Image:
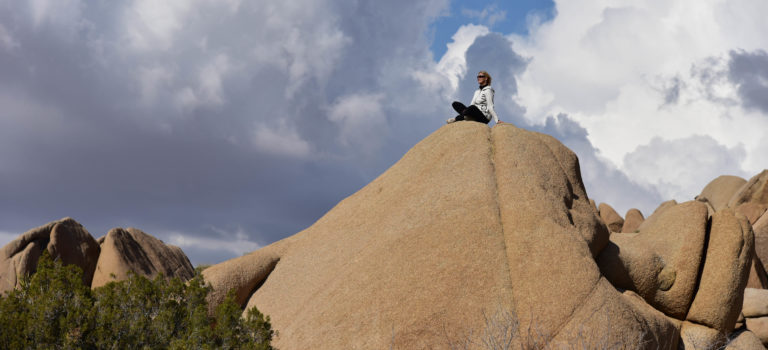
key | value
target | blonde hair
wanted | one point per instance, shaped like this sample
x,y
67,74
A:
x,y
487,76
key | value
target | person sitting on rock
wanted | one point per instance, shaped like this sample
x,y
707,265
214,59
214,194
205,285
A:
x,y
481,110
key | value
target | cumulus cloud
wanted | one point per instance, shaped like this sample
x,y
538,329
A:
x,y
361,119
680,169
209,250
260,116
185,115
489,15
640,76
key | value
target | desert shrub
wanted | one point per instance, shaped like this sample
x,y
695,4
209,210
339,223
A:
x,y
54,310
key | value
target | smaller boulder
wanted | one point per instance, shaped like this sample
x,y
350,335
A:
x,y
755,302
720,190
744,340
610,217
632,220
755,191
759,326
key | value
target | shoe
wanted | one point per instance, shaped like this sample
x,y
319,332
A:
x,y
450,120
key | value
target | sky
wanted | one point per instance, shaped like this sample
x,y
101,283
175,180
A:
x,y
224,126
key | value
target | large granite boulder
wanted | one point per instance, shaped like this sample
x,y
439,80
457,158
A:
x,y
660,262
125,250
719,298
720,190
469,222
64,239
610,217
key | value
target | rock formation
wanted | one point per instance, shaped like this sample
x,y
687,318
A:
x,y
64,239
125,250
470,221
116,254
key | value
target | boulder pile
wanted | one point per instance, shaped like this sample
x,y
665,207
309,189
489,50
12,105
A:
x,y
479,235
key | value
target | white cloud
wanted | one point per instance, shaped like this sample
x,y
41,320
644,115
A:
x,y
152,25
361,119
7,42
453,64
153,81
66,14
681,168
633,73
235,243
280,141
489,15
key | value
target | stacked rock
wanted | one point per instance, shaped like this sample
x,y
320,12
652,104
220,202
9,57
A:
x,y
755,312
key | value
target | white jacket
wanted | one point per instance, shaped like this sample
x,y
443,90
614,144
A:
x,y
483,99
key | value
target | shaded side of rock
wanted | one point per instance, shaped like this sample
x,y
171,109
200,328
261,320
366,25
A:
x,y
758,278
131,249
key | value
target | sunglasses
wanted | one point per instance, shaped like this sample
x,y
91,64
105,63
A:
x,y
480,76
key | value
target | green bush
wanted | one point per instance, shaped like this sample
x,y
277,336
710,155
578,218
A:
x,y
54,310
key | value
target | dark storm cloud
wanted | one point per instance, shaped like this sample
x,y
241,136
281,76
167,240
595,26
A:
x,y
119,121
749,71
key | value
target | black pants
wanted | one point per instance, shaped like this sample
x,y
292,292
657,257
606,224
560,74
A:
x,y
469,113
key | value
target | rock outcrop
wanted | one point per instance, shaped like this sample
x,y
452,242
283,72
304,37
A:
x,y
64,239
125,250
470,221
115,254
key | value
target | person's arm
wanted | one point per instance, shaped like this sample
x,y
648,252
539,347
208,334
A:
x,y
489,102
